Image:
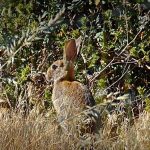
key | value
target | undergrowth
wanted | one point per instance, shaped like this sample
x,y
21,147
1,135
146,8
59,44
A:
x,y
39,133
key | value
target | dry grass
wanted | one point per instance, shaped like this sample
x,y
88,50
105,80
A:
x,y
40,133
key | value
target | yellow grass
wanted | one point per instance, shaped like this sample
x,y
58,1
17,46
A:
x,y
43,133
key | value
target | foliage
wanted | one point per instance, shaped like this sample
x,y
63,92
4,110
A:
x,y
114,58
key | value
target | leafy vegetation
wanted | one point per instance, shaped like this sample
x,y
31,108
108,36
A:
x,y
114,57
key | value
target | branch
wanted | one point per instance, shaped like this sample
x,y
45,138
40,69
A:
x,y
110,63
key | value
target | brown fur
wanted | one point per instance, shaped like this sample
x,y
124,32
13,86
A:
x,y
69,97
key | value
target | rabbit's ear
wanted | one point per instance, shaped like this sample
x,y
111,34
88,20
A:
x,y
70,50
78,44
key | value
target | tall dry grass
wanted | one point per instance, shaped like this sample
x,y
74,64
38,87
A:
x,y
40,133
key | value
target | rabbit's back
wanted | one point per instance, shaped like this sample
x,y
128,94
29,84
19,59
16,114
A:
x,y
70,98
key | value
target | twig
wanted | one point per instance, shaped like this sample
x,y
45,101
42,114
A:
x,y
92,80
110,63
118,79
57,17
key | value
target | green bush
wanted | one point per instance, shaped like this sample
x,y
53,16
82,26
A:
x,y
115,41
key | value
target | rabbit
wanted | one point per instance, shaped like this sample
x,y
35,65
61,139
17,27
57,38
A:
x,y
69,97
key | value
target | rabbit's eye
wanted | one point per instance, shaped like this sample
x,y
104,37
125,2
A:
x,y
54,67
